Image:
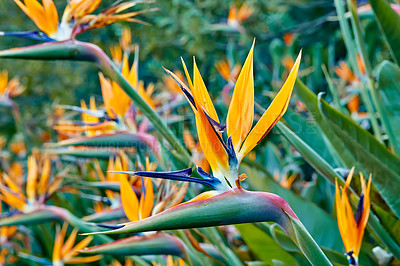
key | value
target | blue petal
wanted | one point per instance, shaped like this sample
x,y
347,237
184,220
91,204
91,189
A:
x,y
110,226
33,35
217,126
360,208
182,175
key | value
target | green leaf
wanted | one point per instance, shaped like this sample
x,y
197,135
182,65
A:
x,y
286,243
257,240
52,213
99,153
311,101
309,132
367,152
388,77
106,216
309,154
118,139
308,245
310,214
390,223
389,22
106,185
235,206
356,146
156,244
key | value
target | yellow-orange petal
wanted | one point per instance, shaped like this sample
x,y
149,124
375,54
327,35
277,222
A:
x,y
130,202
11,185
224,69
272,115
348,180
58,243
84,260
84,243
31,180
146,198
45,17
241,109
201,94
44,177
107,93
244,12
187,75
69,244
12,199
341,217
210,143
51,16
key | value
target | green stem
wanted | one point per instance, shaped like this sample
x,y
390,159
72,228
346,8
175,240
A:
x,y
334,92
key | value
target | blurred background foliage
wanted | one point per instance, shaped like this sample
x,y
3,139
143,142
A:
x,y
183,28
178,28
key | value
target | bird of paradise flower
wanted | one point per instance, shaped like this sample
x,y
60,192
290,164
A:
x,y
76,19
351,226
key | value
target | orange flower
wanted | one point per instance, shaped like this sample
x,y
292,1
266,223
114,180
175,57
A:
x,y
224,157
352,227
128,262
288,38
288,62
360,63
18,147
354,103
91,124
66,252
38,186
134,208
6,232
10,88
227,72
236,16
77,16
344,72
116,101
124,46
285,181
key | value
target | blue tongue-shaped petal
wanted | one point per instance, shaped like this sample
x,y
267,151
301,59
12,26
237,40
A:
x,y
217,126
359,211
33,35
181,175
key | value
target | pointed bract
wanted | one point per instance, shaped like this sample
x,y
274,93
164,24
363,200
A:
x,y
272,115
241,109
